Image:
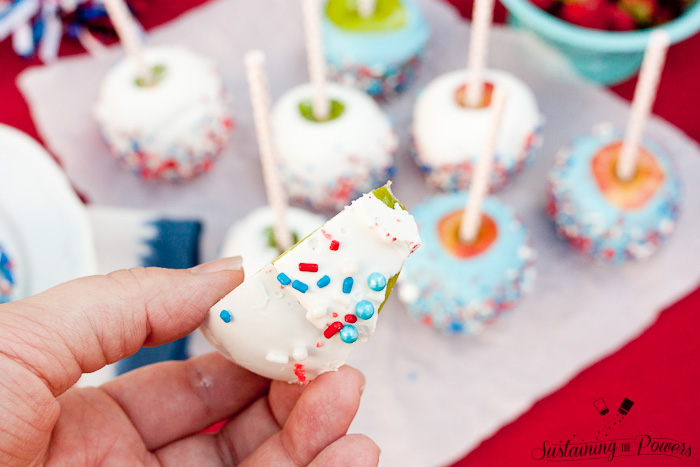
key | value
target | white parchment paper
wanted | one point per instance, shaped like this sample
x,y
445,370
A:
x,y
429,399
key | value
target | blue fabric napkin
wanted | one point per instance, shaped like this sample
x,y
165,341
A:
x,y
175,246
127,238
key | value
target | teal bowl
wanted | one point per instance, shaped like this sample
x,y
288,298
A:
x,y
606,57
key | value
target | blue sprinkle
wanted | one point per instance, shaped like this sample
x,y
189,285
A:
x,y
283,279
347,285
225,316
376,282
349,334
324,281
300,286
364,309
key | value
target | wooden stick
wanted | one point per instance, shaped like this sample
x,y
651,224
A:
x,y
479,189
478,45
366,8
321,105
644,96
260,98
128,36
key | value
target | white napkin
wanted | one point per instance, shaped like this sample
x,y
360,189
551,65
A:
x,y
429,399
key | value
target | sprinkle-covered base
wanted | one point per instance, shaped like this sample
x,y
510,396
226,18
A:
x,y
325,165
617,223
7,281
448,137
378,82
178,163
379,55
300,315
459,291
457,177
173,129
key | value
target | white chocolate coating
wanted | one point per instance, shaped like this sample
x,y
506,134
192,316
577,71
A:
x,y
172,129
277,331
325,165
249,238
447,134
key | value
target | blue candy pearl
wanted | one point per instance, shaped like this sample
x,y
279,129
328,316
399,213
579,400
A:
x,y
364,309
348,334
376,281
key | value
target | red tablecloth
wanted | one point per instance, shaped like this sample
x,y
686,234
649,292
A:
x,y
659,371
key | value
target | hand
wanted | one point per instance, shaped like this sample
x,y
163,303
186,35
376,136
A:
x,y
152,416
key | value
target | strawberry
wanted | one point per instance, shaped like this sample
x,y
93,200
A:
x,y
664,15
642,11
619,19
586,13
545,5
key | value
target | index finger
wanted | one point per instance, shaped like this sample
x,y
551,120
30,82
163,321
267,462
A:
x,y
83,325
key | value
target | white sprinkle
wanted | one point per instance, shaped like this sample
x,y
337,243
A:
x,y
300,353
640,251
317,311
525,252
666,226
277,358
595,223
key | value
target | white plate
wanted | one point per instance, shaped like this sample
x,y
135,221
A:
x,y
43,225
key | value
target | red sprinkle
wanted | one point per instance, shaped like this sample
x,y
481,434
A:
x,y
319,345
300,373
334,245
350,318
332,329
335,315
308,267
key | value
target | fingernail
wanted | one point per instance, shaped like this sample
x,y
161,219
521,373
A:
x,y
364,383
233,263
